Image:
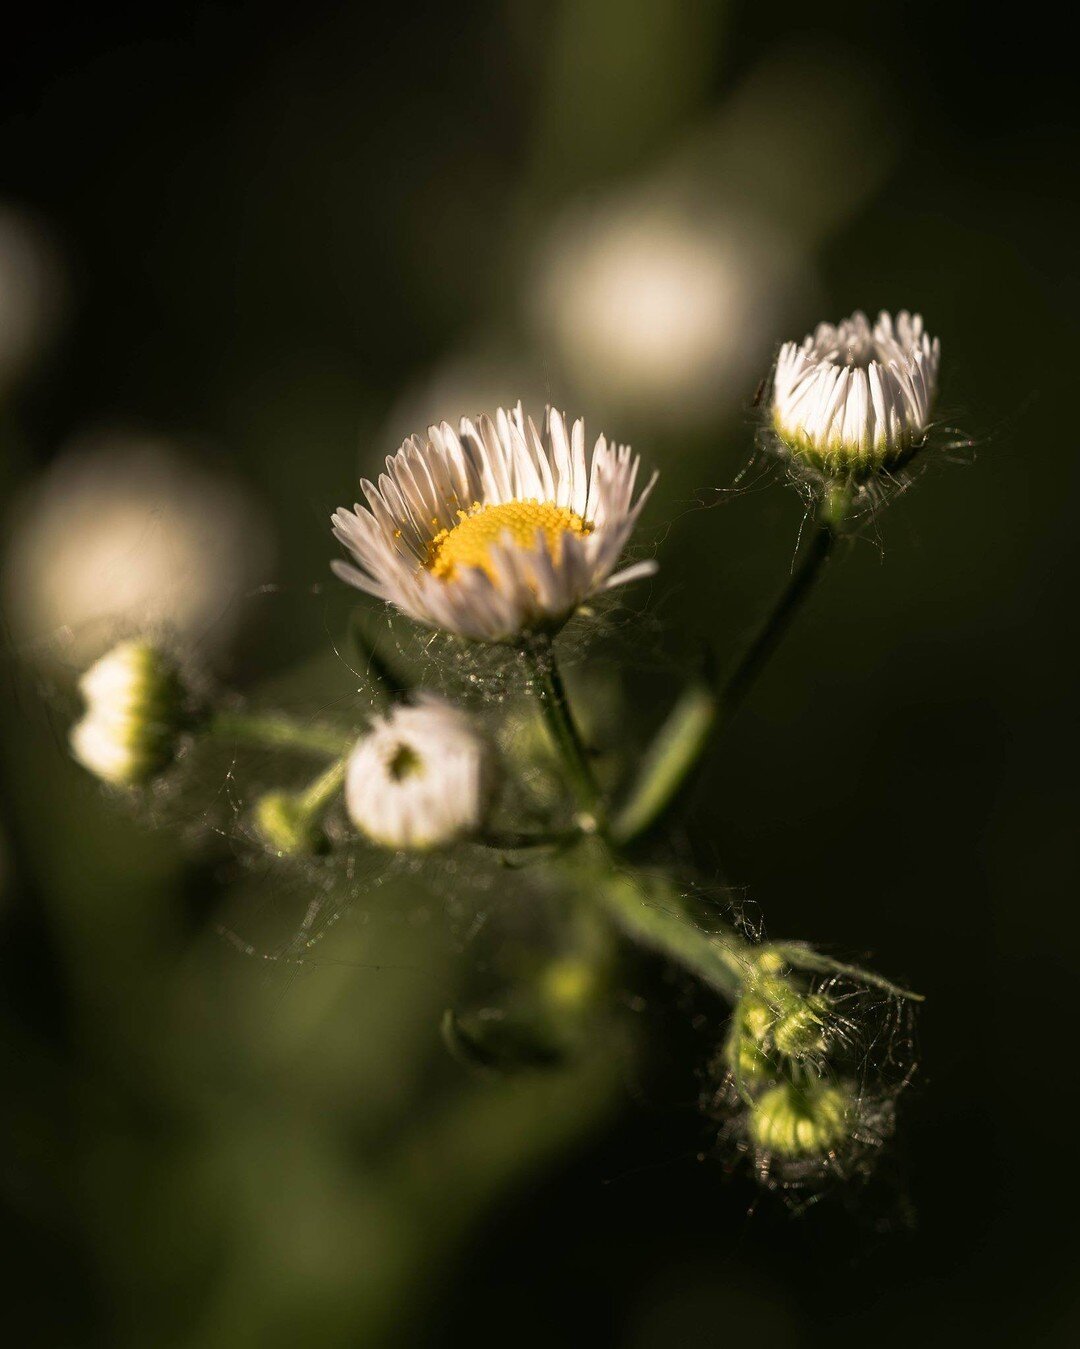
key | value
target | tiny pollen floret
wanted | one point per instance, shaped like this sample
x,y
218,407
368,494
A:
x,y
135,714
424,775
851,398
495,530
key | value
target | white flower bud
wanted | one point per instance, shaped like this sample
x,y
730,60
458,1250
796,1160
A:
x,y
135,713
423,776
852,399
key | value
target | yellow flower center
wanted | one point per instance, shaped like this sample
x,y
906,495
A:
x,y
469,542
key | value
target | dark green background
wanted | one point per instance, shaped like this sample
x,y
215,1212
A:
x,y
276,220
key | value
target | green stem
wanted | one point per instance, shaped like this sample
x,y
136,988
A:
x,y
804,957
555,707
647,907
316,797
668,762
275,730
702,713
776,627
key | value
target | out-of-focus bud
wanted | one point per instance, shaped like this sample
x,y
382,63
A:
x,y
801,1121
423,776
287,826
570,983
137,708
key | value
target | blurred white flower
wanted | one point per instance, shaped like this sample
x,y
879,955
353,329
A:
x,y
31,291
136,709
124,532
657,305
497,532
423,776
851,396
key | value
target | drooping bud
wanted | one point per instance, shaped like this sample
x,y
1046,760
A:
x,y
137,707
801,1121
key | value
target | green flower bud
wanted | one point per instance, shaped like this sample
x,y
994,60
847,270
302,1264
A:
x,y
285,825
775,1015
745,1059
570,983
796,1121
801,1031
136,711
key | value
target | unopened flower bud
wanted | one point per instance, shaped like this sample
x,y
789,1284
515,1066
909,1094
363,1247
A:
x,y
794,1121
286,826
423,776
136,711
852,399
570,982
802,1030
774,1014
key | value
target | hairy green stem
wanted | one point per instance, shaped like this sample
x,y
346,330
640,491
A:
x,y
648,907
314,799
703,712
668,762
777,625
276,730
555,708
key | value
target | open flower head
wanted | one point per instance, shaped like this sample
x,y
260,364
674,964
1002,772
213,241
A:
x,y
494,530
851,399
423,776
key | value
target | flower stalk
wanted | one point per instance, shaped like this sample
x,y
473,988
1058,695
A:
x,y
277,730
539,656
649,908
702,712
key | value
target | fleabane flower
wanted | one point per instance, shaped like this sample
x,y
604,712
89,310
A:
x,y
423,776
136,711
851,398
495,530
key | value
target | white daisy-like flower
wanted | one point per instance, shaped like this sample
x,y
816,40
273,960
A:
x,y
495,530
851,397
135,713
423,776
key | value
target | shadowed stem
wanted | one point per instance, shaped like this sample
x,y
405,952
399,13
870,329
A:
x,y
314,799
539,655
702,712
648,907
276,730
776,627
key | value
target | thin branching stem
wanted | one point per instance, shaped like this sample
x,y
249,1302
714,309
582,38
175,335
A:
x,y
539,655
277,730
704,711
